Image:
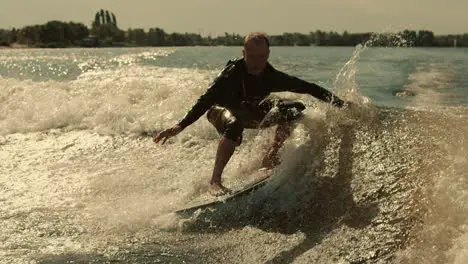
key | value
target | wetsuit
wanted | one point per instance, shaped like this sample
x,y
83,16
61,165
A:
x,y
236,100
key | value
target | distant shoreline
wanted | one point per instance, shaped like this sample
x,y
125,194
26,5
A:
x,y
21,46
105,33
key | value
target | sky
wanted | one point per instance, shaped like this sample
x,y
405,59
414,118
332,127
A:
x,y
214,17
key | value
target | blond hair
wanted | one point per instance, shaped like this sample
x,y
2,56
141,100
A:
x,y
257,38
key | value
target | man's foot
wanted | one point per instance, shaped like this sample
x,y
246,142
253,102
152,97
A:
x,y
217,189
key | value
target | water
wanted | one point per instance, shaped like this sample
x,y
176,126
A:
x,y
382,182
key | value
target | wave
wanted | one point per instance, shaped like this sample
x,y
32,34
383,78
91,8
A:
x,y
386,188
130,99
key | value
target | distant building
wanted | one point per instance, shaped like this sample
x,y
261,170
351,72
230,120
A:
x,y
90,41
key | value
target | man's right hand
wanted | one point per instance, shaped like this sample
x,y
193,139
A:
x,y
166,134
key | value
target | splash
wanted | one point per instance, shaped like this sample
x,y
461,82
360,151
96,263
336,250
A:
x,y
345,81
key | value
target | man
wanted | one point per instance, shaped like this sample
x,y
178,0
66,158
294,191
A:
x,y
238,99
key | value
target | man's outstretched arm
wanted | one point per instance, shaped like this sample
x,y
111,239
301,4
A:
x,y
198,109
209,98
283,82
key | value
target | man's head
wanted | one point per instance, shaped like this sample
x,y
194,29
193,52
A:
x,y
256,52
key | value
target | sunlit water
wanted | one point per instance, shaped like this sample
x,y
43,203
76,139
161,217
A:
x,y
81,180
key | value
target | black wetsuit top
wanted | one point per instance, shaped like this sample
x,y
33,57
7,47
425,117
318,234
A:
x,y
237,90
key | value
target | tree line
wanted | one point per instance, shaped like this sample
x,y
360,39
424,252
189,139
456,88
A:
x,y
104,32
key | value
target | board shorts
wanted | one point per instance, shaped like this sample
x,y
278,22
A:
x,y
231,124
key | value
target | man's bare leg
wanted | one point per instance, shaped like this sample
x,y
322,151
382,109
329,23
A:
x,y
225,150
271,159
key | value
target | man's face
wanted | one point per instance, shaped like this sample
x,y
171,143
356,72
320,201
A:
x,y
256,56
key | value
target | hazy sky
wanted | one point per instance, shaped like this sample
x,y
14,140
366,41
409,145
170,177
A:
x,y
241,16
